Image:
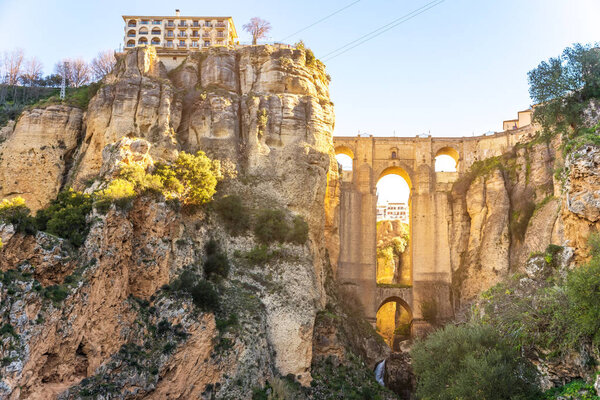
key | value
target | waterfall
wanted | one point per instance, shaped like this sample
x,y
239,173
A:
x,y
379,371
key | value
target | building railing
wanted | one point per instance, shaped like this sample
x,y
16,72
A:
x,y
220,25
156,22
131,35
182,46
131,25
182,24
182,35
144,22
169,25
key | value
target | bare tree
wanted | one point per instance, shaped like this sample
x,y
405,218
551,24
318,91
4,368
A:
x,y
103,64
77,71
13,65
258,28
32,71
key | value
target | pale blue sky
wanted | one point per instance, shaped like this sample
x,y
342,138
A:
x,y
458,69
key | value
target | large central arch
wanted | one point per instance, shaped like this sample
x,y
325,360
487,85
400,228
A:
x,y
394,321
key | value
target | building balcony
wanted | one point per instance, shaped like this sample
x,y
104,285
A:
x,y
195,35
144,22
169,25
220,35
182,46
182,25
220,26
156,22
195,26
206,35
182,35
169,36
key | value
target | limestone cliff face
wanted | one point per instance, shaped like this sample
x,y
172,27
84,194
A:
x,y
36,155
581,202
501,216
262,111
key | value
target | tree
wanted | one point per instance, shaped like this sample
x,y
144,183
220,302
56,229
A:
x,y
13,66
471,362
32,72
258,28
77,71
562,86
103,64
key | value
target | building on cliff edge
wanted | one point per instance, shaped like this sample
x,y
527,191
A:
x,y
393,211
178,34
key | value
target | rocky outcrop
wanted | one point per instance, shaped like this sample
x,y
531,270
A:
x,y
501,216
35,157
581,205
398,376
136,100
265,114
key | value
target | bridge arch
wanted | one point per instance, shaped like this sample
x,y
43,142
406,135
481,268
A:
x,y
404,172
394,321
442,159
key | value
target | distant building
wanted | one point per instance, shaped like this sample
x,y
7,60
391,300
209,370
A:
x,y
524,119
393,211
178,33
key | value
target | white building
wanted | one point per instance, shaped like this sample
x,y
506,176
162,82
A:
x,y
393,211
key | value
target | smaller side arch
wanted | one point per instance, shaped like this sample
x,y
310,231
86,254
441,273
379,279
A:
x,y
398,300
447,152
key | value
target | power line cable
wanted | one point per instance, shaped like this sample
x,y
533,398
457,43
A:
x,y
381,30
321,20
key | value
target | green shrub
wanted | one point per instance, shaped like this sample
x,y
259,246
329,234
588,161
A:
x,y
191,178
202,292
583,295
205,296
8,329
576,390
66,216
429,310
471,362
271,226
56,293
260,254
233,213
15,212
119,191
216,262
299,232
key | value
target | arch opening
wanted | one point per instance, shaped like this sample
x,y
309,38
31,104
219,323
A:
x,y
131,43
155,41
345,158
446,160
143,41
393,229
394,321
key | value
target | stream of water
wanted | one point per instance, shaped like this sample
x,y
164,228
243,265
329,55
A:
x,y
379,371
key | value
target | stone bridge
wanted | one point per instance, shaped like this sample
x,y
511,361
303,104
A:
x,y
429,248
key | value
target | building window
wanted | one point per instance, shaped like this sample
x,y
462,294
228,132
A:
x,y
132,23
156,31
206,43
155,41
169,43
143,41
156,22
131,43
144,22
143,31
393,154
207,24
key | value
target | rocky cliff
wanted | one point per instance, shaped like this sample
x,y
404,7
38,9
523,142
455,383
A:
x,y
101,319
504,209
